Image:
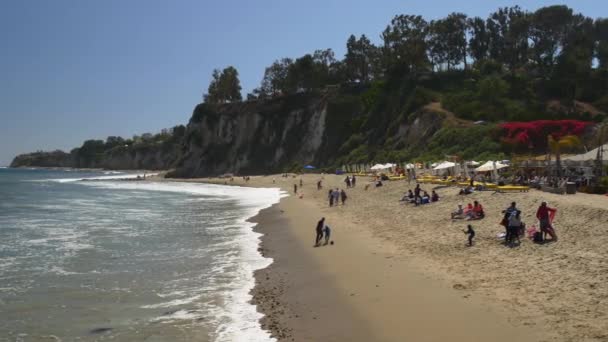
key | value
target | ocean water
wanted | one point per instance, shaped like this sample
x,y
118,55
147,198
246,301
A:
x,y
111,259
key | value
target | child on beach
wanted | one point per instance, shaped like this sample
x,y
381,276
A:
x,y
471,234
327,232
319,230
458,213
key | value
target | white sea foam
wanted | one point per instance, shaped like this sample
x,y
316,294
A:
x,y
237,319
179,315
101,178
172,303
61,271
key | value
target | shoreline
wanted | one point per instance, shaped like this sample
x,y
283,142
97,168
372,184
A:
x,y
305,299
417,272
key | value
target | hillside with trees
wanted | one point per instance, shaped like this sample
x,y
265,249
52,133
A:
x,y
514,65
451,86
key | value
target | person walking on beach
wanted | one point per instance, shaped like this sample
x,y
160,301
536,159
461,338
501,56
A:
x,y
330,196
301,182
471,234
327,232
320,226
347,181
319,186
353,181
295,188
343,196
336,194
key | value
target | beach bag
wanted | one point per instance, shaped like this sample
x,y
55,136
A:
x,y
505,220
538,237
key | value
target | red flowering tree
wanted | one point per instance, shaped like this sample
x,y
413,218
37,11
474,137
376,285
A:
x,y
533,134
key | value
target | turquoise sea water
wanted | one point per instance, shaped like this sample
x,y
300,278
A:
x,y
112,259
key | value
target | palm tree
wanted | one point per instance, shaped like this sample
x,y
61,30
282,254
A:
x,y
557,145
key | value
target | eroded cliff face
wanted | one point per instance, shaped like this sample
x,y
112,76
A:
x,y
126,159
44,159
253,137
257,137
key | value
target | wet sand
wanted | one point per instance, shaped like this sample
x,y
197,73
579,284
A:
x,y
399,272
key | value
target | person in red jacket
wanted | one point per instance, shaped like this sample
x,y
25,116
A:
x,y
545,216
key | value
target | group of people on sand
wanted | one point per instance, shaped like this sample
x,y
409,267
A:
x,y
350,181
512,221
416,198
471,212
335,196
322,230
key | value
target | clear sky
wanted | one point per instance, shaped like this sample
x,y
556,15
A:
x,y
72,70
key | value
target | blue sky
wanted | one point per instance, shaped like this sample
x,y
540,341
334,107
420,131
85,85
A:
x,y
72,70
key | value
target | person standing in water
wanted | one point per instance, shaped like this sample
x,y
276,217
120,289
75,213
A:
x,y
320,226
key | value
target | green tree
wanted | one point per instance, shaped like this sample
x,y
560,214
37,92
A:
x,y
359,58
601,49
274,81
405,43
480,39
224,86
548,32
508,36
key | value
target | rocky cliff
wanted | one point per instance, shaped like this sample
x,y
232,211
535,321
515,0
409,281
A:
x,y
324,129
44,159
122,158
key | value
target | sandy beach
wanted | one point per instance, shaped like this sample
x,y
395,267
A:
x,y
399,272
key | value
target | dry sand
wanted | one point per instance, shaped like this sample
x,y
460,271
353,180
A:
x,y
404,273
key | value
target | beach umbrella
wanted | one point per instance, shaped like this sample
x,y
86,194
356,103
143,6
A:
x,y
473,163
410,166
378,167
309,167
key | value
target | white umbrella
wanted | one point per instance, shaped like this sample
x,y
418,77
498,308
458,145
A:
x,y
389,165
490,166
472,163
444,165
410,166
378,167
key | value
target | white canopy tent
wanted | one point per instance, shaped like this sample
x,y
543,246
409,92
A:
x,y
591,155
444,165
491,166
382,166
410,166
